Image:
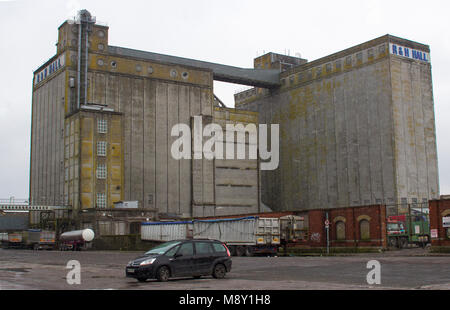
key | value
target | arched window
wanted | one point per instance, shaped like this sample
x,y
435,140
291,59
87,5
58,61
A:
x,y
340,230
364,230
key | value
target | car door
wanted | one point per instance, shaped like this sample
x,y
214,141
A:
x,y
181,263
204,258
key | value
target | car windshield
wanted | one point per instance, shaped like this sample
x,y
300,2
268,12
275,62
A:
x,y
162,248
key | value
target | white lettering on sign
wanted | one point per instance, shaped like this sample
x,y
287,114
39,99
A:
x,y
54,66
410,53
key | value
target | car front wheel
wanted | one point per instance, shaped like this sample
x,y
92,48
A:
x,y
163,274
219,271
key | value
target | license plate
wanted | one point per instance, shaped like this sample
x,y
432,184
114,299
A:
x,y
130,270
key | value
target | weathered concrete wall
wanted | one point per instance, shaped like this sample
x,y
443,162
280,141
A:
x,y
236,182
414,130
151,108
342,121
335,146
47,141
149,95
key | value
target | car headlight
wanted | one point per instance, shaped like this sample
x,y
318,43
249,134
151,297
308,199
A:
x,y
147,262
130,263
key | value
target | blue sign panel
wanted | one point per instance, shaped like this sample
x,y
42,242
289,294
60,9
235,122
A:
x,y
410,53
49,70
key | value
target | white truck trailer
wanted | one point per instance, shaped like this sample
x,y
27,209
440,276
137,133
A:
x,y
243,236
166,231
32,238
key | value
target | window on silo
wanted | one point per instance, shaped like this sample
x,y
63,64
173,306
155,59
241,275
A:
x,y
101,171
102,126
359,57
348,61
340,230
318,71
101,200
364,230
101,148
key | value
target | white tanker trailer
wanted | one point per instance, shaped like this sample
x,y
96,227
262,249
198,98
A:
x,y
76,240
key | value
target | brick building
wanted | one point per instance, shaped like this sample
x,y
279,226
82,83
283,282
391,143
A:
x,y
440,222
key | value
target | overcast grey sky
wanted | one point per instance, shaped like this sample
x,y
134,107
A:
x,y
229,32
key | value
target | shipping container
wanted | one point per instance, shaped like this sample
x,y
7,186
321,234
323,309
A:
x,y
166,231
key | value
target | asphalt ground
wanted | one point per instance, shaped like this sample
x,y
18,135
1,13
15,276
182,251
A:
x,y
105,270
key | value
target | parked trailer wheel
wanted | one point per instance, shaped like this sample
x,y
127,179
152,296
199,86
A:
x,y
249,251
232,249
393,242
240,251
403,243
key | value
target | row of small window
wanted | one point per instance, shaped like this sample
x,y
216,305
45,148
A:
x,y
99,33
337,63
102,127
101,149
150,70
364,230
74,43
